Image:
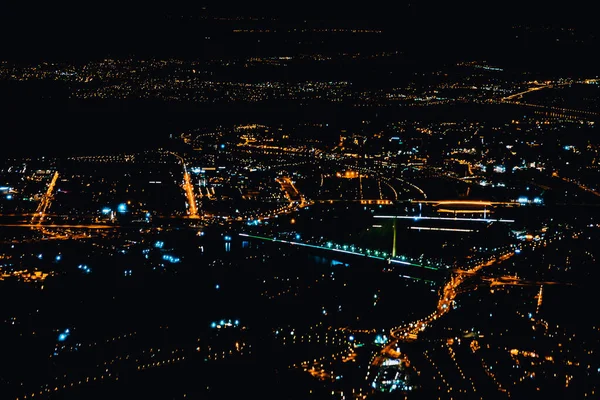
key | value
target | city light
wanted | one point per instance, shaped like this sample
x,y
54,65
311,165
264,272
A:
x,y
64,335
84,268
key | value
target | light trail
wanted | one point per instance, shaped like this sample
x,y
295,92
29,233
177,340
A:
x,y
417,218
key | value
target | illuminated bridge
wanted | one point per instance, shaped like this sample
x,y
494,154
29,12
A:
x,y
357,251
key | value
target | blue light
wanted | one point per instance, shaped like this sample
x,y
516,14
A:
x,y
58,257
228,238
217,287
537,200
171,259
297,236
222,146
9,197
351,338
85,268
222,322
522,199
122,208
62,337
159,245
106,211
236,322
40,256
213,325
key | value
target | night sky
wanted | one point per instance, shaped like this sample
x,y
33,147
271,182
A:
x,y
52,30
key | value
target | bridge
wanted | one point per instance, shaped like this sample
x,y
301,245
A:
x,y
358,251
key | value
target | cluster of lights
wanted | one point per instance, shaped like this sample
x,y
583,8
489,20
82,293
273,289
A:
x,y
84,268
171,259
225,324
379,339
525,200
64,335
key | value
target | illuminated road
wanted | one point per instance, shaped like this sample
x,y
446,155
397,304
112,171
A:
x,y
387,181
188,187
292,194
514,281
295,198
579,185
530,90
417,218
467,202
45,201
62,226
548,85
445,303
363,201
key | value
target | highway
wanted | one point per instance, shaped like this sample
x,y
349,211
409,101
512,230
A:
x,y
92,226
188,187
42,208
530,90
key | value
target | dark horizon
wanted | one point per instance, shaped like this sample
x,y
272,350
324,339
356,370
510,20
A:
x,y
74,34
